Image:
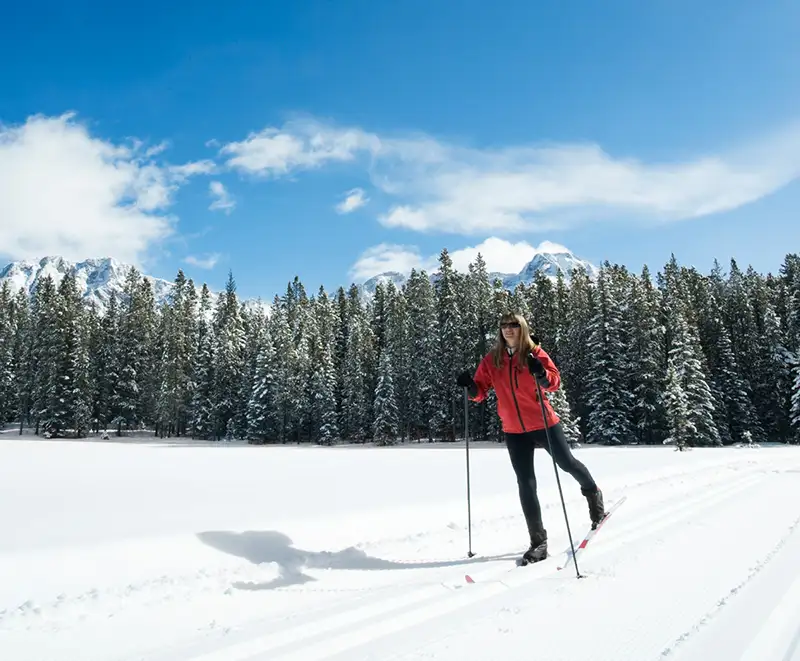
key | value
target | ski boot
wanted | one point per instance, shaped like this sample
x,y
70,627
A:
x,y
537,550
597,510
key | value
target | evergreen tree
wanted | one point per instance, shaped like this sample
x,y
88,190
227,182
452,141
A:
x,y
688,400
608,399
423,337
262,425
385,426
575,365
450,342
398,348
8,321
324,392
646,348
229,343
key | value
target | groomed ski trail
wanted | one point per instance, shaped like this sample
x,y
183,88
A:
x,y
380,626
673,533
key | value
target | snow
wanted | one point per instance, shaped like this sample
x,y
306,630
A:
x,y
96,278
179,551
549,264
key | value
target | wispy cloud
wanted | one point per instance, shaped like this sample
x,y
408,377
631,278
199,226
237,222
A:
x,y
207,262
459,189
500,256
66,192
300,145
183,172
354,199
222,199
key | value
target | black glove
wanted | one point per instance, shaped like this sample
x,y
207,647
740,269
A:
x,y
465,380
536,368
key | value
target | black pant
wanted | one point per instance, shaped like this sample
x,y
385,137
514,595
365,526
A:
x,y
520,450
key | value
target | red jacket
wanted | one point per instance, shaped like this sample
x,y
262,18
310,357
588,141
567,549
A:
x,y
517,396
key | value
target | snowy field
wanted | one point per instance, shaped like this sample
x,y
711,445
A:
x,y
167,552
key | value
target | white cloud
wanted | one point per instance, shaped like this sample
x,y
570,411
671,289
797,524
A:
x,y
65,192
387,257
501,256
183,172
355,199
299,145
467,190
222,199
207,262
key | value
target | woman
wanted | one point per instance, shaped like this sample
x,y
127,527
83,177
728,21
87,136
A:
x,y
510,368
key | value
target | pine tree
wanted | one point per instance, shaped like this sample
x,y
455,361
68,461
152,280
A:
x,y
482,325
423,339
385,427
262,425
8,321
575,359
201,412
646,349
450,341
688,393
325,402
229,343
609,401
355,383
44,355
681,429
398,347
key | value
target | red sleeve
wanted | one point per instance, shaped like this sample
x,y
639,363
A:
x,y
483,379
553,375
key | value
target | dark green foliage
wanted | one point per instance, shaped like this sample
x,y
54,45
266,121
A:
x,y
684,358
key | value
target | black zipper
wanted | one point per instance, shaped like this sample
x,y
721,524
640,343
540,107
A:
x,y
513,391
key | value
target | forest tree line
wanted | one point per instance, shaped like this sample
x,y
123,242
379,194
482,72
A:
x,y
683,357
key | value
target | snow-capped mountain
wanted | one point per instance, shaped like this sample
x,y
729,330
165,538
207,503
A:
x,y
547,263
96,278
369,286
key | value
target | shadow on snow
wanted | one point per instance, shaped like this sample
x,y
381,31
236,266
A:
x,y
272,546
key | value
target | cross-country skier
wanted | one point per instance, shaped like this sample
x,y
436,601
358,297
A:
x,y
510,368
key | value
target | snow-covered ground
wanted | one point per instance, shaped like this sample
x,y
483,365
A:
x,y
168,552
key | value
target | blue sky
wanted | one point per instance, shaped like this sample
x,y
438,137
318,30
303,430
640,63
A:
x,y
622,130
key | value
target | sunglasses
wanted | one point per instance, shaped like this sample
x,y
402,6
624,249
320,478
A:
x,y
509,324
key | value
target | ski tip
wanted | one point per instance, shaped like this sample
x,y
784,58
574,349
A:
x,y
468,578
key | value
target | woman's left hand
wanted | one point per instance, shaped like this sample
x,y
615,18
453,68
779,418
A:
x,y
535,367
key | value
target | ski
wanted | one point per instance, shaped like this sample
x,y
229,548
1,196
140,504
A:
x,y
592,532
519,563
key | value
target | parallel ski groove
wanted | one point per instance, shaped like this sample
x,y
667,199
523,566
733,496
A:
x,y
335,636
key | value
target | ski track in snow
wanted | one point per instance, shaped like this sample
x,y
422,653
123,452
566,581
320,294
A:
x,y
698,560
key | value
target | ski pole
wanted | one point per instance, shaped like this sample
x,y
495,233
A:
x,y
558,479
469,499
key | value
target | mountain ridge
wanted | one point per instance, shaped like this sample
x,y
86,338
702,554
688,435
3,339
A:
x,y
547,263
98,277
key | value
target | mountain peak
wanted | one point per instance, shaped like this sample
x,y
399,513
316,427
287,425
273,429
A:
x,y
550,264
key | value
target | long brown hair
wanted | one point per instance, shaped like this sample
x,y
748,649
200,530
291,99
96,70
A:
x,y
526,342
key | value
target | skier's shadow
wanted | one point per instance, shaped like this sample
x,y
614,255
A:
x,y
272,546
